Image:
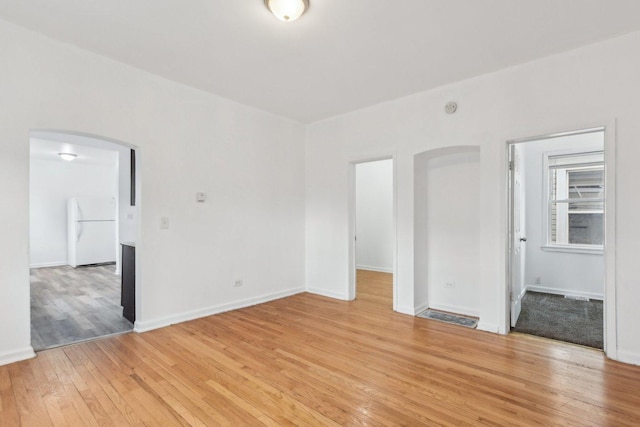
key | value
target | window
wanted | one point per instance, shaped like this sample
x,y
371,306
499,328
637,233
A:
x,y
575,216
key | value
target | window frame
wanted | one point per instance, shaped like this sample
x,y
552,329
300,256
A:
x,y
549,245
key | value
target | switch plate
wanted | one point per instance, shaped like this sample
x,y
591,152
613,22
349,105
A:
x,y
164,223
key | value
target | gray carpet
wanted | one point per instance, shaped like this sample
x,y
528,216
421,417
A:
x,y
560,318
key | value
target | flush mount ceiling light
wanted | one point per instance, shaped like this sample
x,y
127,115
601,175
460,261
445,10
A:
x,y
67,156
287,10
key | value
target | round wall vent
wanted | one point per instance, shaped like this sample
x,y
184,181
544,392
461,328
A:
x,y
451,107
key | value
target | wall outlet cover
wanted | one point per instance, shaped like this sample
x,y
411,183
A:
x,y
164,223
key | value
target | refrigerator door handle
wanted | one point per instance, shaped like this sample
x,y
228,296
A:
x,y
79,230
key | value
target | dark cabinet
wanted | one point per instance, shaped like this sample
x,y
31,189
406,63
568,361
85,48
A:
x,y
128,294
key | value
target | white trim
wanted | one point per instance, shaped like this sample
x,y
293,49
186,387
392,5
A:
x,y
610,304
523,292
455,309
16,355
49,264
488,327
144,326
402,309
565,292
576,249
546,184
351,239
419,309
329,294
628,357
371,268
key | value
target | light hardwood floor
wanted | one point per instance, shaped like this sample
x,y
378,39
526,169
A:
x,y
309,360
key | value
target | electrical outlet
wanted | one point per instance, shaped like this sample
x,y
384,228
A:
x,y
164,222
237,283
538,280
450,285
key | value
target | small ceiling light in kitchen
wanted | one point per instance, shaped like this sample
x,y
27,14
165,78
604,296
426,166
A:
x,y
287,10
67,156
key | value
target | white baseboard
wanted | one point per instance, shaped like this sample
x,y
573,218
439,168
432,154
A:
x,y
328,294
628,357
16,356
523,292
406,310
557,291
372,268
49,264
455,309
148,325
488,327
419,309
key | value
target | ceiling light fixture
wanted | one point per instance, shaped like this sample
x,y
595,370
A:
x,y
67,156
287,10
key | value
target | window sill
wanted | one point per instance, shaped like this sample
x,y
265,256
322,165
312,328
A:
x,y
576,249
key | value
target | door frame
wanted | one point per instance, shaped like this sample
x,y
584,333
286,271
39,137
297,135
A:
x,y
137,174
351,292
511,220
609,247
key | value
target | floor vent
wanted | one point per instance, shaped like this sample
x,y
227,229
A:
x,y
454,319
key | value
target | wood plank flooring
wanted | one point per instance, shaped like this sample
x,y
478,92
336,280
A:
x,y
310,360
74,304
375,288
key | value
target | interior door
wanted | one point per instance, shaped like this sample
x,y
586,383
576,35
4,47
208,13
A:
x,y
517,233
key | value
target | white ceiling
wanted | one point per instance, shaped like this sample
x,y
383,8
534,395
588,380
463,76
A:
x,y
341,56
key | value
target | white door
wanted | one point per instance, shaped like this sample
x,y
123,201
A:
x,y
517,234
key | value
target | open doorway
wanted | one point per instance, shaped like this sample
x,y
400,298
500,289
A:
x,y
374,232
557,220
80,212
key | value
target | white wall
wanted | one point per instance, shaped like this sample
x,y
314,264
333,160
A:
x,y
582,88
447,229
250,163
127,230
560,272
52,183
374,216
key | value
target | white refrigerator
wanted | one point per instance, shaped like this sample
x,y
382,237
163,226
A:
x,y
91,229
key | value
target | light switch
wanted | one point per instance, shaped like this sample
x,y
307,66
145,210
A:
x,y
201,197
164,222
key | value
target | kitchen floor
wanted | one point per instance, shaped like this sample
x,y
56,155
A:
x,y
74,304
